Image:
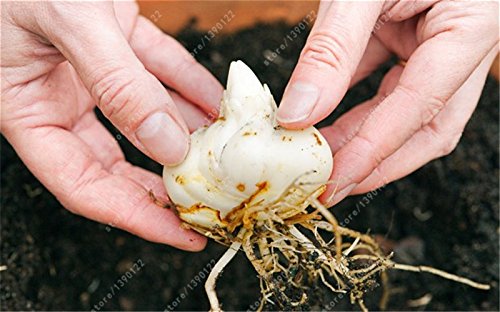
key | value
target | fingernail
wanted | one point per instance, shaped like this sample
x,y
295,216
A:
x,y
163,138
342,193
298,102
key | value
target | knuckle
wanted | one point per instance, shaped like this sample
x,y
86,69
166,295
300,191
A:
x,y
429,106
361,155
156,38
445,141
376,179
449,143
185,64
432,106
369,149
68,12
115,91
326,49
467,19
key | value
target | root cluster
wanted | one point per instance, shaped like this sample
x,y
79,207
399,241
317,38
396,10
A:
x,y
296,243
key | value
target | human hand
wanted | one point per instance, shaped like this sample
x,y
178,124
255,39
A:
x,y
59,60
421,108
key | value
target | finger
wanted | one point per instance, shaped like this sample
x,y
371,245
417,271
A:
x,y
168,60
375,55
328,61
421,93
106,149
402,10
107,152
69,169
125,12
435,140
133,99
347,125
194,117
345,129
399,38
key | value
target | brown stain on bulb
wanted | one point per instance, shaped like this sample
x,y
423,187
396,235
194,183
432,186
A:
x,y
318,140
240,187
285,138
232,220
248,133
235,217
242,215
186,213
180,180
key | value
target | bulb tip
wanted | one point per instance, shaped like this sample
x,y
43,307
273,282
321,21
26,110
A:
x,y
242,81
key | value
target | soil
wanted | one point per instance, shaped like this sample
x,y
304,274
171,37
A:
x,y
444,215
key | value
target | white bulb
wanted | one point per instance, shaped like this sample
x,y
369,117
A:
x,y
242,151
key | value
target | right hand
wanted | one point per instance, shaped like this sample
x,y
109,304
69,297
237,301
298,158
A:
x,y
420,110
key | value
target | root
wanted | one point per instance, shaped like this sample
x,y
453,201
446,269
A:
x,y
293,248
333,222
217,270
386,293
307,243
362,305
443,274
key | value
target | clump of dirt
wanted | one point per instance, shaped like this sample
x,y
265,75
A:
x,y
444,215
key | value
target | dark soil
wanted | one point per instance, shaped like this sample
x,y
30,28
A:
x,y
444,215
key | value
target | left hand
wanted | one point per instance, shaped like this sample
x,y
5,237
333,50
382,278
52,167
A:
x,y
63,58
420,110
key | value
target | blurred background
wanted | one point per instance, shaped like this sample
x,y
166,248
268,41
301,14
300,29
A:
x,y
444,215
208,13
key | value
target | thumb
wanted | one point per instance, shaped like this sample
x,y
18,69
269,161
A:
x,y
328,61
89,36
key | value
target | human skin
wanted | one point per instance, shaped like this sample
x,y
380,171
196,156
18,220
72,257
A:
x,y
62,59
59,61
421,108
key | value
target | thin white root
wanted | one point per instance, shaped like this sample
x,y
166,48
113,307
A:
x,y
330,218
306,242
362,305
351,248
216,271
420,302
443,274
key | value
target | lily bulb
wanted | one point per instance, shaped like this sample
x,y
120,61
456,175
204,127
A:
x,y
244,158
